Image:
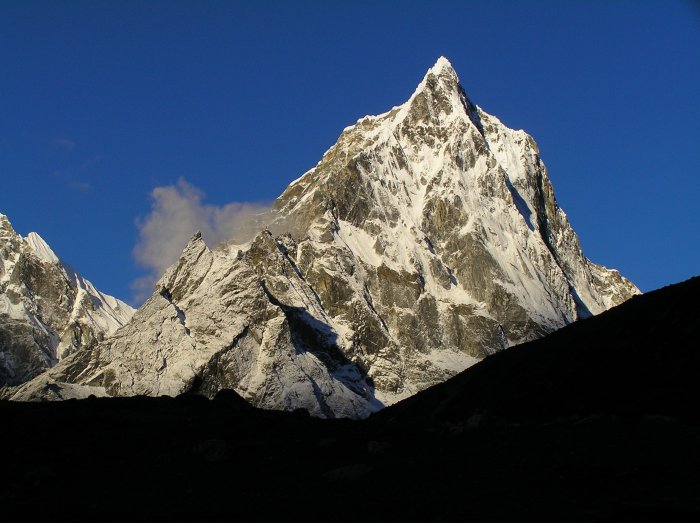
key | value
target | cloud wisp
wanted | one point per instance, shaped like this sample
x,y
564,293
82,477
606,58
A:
x,y
66,176
62,144
177,212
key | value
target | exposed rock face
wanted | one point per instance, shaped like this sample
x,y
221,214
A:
x,y
425,239
47,310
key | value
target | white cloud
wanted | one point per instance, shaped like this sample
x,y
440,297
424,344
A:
x,y
66,176
177,212
63,144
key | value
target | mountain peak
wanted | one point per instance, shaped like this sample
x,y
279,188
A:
x,y
195,244
425,239
41,248
47,310
439,97
442,64
444,71
5,223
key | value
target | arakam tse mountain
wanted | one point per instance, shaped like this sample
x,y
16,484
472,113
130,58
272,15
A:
x,y
425,239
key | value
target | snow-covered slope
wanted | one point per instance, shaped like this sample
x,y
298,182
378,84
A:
x,y
425,239
47,310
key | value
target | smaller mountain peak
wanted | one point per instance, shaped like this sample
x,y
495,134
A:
x,y
41,248
196,244
6,229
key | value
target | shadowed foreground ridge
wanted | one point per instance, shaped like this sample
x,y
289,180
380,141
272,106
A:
x,y
595,423
640,358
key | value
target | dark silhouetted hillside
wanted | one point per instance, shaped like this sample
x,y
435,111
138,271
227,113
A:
x,y
595,423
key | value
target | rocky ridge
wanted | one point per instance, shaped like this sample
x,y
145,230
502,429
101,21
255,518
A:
x,y
425,239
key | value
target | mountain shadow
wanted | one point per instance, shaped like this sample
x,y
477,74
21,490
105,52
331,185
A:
x,y
640,358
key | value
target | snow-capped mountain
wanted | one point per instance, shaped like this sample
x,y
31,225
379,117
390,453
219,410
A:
x,y
47,310
425,239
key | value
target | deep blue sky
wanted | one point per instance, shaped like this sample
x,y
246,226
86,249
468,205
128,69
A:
x,y
100,102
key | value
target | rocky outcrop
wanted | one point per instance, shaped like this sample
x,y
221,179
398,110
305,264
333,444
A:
x,y
47,310
425,239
